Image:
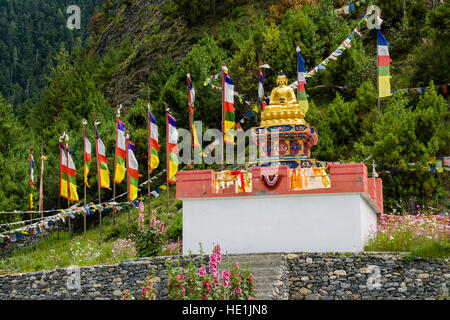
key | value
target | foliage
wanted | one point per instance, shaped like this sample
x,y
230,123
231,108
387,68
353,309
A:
x,y
148,292
14,163
190,10
173,248
197,284
82,253
407,134
410,128
120,231
432,56
124,248
127,295
31,34
149,240
175,229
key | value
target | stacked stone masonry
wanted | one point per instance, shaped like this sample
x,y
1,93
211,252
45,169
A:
x,y
300,276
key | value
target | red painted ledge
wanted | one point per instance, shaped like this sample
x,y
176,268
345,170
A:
x,y
345,178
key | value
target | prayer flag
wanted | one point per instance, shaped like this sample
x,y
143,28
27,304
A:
x,y
384,78
191,92
63,192
73,195
228,108
302,100
87,156
133,172
261,86
102,162
31,180
119,174
172,148
154,144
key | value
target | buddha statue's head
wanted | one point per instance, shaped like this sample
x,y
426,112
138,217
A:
x,y
281,79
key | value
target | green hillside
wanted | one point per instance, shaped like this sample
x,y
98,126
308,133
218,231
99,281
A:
x,y
31,34
144,48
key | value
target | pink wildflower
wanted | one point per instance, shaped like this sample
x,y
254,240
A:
x,y
226,278
237,291
202,271
208,285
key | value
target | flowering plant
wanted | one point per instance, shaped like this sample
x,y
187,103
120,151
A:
x,y
149,239
197,284
124,248
173,248
83,252
148,292
127,295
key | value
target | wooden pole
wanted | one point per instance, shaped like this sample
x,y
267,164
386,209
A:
x,y
223,116
99,186
31,189
41,189
190,121
192,139
59,207
84,176
68,185
378,88
128,172
114,174
168,198
167,158
70,228
149,162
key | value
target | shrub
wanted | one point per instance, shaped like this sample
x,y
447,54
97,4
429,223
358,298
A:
x,y
120,230
148,292
173,248
127,295
175,228
149,240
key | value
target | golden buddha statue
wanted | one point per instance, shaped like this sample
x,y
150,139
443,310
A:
x,y
283,107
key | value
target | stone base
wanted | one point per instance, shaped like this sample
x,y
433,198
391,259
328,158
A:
x,y
285,223
279,218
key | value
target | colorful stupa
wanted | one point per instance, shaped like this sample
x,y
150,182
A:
x,y
285,201
292,148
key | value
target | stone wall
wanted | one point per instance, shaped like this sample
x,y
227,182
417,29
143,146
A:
x,y
307,276
366,276
96,282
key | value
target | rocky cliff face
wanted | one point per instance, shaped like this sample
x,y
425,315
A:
x,y
152,35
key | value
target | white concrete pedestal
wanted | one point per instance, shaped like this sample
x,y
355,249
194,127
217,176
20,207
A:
x,y
334,222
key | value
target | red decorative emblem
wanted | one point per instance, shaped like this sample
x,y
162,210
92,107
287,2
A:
x,y
270,180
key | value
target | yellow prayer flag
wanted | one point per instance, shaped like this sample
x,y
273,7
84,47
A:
x,y
384,86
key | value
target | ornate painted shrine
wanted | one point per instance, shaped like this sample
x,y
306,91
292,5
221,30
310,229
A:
x,y
292,146
286,201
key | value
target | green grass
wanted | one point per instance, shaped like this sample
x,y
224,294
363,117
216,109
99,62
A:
x,y
429,249
51,253
416,248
